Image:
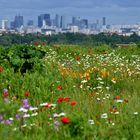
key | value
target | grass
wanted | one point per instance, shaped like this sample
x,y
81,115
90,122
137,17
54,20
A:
x,y
88,93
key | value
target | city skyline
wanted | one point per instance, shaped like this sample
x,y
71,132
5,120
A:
x,y
117,11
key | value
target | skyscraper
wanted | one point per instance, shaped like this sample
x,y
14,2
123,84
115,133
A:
x,y
4,24
12,25
63,22
18,21
84,23
97,24
42,18
57,21
104,21
47,19
74,21
40,21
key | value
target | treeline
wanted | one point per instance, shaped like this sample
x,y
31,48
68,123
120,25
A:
x,y
69,38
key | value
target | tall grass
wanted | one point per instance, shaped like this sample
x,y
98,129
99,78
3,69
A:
x,y
96,89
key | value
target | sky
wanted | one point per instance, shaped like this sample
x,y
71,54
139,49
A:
x,y
115,11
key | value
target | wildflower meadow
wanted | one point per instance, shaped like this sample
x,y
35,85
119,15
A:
x,y
69,92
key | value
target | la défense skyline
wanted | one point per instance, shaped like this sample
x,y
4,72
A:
x,y
116,11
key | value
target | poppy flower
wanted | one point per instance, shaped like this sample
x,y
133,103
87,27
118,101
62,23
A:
x,y
59,87
1,69
27,93
46,106
115,110
59,100
117,97
65,120
67,99
43,43
77,58
73,103
5,92
36,43
126,100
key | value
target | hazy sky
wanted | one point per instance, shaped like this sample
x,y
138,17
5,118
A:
x,y
116,11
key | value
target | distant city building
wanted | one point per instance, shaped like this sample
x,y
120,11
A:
x,y
84,23
12,25
76,21
32,29
4,24
18,21
40,21
57,21
44,18
63,22
59,24
74,29
48,31
104,21
47,19
97,25
53,22
30,23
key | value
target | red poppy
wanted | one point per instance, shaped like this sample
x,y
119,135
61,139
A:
x,y
77,57
43,43
67,99
5,94
1,69
73,103
59,100
115,110
117,97
36,43
59,87
46,106
65,120
27,93
126,100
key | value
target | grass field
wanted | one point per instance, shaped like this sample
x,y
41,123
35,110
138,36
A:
x,y
70,93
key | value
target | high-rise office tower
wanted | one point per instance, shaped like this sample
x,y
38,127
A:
x,y
97,24
4,24
47,19
104,21
74,21
12,25
57,21
63,22
18,22
42,18
40,21
84,23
